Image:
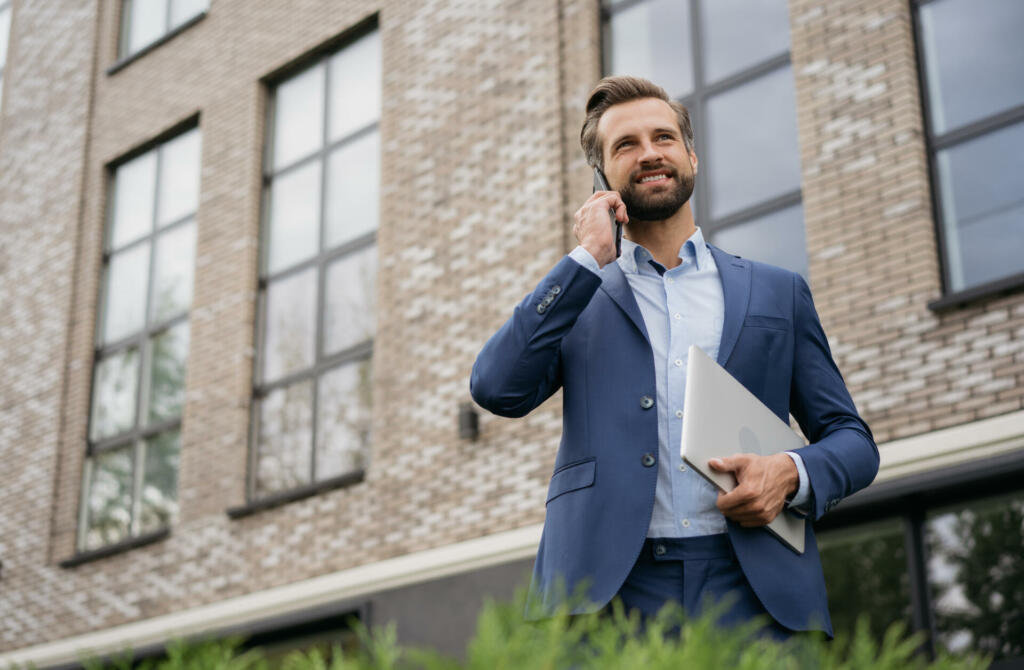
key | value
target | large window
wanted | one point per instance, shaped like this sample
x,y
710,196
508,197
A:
x,y
144,22
972,61
318,279
131,473
5,30
954,571
728,62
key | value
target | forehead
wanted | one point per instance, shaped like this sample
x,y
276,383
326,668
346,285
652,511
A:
x,y
636,117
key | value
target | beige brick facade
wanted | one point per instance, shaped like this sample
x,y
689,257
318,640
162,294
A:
x,y
481,172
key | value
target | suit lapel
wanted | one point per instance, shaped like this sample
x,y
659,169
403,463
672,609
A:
x,y
735,275
616,285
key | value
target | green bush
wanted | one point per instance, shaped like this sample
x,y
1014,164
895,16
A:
x,y
503,641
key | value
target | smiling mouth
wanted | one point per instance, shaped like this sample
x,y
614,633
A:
x,y
652,178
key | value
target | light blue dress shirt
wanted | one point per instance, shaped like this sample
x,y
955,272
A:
x,y
681,306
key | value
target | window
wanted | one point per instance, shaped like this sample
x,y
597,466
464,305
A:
x,y
974,102
953,571
144,22
131,472
5,30
318,279
740,93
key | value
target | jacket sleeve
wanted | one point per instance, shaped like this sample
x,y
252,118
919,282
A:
x,y
519,367
842,457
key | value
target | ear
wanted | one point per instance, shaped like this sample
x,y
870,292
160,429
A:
x,y
693,161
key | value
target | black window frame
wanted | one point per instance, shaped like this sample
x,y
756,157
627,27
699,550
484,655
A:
x,y
936,142
908,499
696,102
124,56
140,341
320,261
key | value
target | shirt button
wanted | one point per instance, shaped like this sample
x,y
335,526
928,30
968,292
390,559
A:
x,y
686,523
679,363
682,467
678,316
679,414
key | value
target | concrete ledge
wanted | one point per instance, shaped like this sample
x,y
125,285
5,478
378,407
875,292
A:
x,y
345,585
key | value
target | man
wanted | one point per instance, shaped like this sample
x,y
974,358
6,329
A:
x,y
625,517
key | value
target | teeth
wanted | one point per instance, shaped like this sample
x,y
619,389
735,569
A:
x,y
652,178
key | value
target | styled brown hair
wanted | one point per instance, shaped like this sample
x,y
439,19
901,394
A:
x,y
616,90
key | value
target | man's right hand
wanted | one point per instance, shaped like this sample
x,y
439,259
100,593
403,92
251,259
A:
x,y
593,228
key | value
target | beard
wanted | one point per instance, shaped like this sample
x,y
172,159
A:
x,y
657,206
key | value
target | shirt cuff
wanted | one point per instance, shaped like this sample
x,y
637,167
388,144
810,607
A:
x,y
803,492
583,257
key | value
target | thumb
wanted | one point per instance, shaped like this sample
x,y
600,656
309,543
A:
x,y
723,464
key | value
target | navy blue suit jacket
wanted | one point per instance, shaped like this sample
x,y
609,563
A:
x,y
585,334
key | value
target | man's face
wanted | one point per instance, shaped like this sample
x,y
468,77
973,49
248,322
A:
x,y
645,158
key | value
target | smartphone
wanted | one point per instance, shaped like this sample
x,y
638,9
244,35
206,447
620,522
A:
x,y
601,184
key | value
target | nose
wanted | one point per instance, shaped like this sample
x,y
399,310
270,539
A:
x,y
650,152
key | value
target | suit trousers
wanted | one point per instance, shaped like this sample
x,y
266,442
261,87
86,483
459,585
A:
x,y
696,573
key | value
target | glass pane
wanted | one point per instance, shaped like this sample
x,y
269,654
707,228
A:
x,y
179,178
5,26
167,373
866,573
652,40
350,307
299,116
183,10
355,86
343,425
353,190
752,147
290,328
159,502
109,499
976,576
294,217
983,207
973,59
739,33
285,438
172,276
148,22
124,311
777,238
114,392
134,188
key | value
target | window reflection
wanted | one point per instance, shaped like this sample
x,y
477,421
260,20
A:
x,y
752,143
738,34
343,423
776,238
159,498
976,576
652,40
866,574
286,440
983,207
109,499
290,326
351,300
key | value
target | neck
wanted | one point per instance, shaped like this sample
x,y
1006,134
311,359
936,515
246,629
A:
x,y
663,238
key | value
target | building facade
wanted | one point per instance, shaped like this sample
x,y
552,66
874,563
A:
x,y
251,249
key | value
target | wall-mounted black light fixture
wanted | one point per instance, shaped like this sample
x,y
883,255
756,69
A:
x,y
469,422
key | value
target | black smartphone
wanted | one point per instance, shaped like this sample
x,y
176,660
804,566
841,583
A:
x,y
601,184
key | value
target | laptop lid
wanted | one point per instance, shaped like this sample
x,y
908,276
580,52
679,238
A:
x,y
722,418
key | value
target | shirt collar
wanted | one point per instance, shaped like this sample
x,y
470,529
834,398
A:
x,y
694,249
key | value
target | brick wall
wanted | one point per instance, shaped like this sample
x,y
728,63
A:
x,y
874,262
482,105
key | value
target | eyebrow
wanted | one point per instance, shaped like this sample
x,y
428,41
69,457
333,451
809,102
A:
x,y
671,131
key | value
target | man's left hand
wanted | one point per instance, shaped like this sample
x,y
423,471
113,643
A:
x,y
763,482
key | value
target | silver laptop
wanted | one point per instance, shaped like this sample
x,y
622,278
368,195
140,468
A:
x,y
722,418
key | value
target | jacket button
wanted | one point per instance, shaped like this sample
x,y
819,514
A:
x,y
646,402
659,550
541,308
556,289
648,460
